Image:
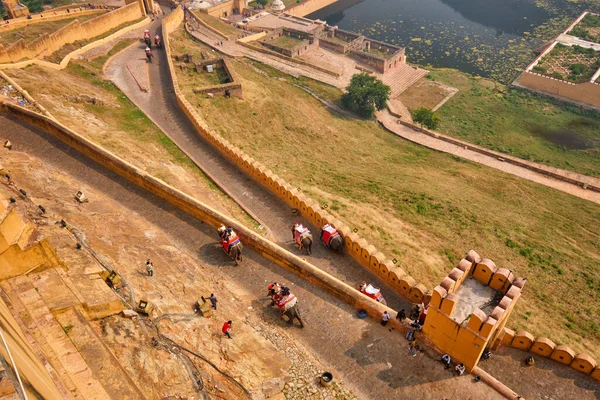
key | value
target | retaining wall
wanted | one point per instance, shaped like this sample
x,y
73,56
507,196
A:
x,y
46,44
48,17
307,7
587,92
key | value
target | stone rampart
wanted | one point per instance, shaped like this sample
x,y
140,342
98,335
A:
x,y
307,7
46,44
47,17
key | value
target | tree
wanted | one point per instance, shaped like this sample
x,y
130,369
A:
x,y
424,116
262,3
364,94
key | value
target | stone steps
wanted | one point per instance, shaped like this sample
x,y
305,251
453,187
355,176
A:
x,y
101,361
50,336
402,78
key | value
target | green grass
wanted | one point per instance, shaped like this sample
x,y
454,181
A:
x,y
520,123
30,32
424,207
285,42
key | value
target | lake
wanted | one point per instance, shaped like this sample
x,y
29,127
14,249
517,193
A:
x,y
492,38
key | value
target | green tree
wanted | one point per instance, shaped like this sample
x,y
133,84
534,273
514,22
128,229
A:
x,y
262,3
424,116
364,94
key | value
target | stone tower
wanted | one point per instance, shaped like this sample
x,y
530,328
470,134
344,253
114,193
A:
x,y
15,9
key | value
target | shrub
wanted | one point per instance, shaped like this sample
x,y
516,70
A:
x,y
539,69
577,69
557,75
424,116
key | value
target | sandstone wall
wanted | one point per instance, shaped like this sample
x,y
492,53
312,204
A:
x,y
46,44
47,16
307,7
587,92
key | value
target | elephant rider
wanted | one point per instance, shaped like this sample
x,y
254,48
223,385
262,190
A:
x,y
149,54
328,232
228,238
273,291
157,40
284,299
300,233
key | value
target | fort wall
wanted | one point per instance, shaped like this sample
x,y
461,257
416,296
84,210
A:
x,y
46,44
587,92
307,7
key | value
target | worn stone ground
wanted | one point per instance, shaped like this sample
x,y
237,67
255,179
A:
x,y
546,380
126,225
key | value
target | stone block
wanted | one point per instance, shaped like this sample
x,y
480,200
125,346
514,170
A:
x,y
417,293
563,354
543,347
505,303
464,265
584,363
596,373
448,284
501,280
488,326
519,282
384,268
497,313
523,340
513,292
427,296
375,264
406,283
366,252
349,241
484,270
476,320
449,303
473,257
394,276
508,336
437,295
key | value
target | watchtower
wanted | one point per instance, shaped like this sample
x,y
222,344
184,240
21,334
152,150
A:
x,y
469,309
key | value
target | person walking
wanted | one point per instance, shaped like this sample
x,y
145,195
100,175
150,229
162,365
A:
x,y
401,316
227,328
412,345
213,300
385,318
149,268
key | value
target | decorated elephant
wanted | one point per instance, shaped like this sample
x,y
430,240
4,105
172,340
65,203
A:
x,y
302,237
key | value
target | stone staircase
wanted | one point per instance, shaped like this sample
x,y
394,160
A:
x,y
402,77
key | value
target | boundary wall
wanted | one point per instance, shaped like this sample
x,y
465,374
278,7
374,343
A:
x,y
586,92
37,18
361,250
307,7
47,44
556,173
65,61
545,347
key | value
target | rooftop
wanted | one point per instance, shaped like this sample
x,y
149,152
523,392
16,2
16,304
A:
x,y
473,294
271,21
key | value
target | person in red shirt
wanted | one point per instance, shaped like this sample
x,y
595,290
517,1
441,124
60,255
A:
x,y
227,328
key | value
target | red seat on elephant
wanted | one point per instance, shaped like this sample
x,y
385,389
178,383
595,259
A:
x,y
300,233
329,232
229,243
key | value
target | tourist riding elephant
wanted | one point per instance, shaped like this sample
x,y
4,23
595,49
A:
x,y
231,244
331,238
302,237
286,302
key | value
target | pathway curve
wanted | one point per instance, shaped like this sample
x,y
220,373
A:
x,y
391,124
160,105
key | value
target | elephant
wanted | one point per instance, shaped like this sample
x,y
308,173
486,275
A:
x,y
294,313
235,251
305,242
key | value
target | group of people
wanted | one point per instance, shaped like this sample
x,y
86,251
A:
x,y
157,43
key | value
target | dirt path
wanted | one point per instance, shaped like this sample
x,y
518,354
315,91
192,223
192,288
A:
x,y
391,123
371,360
